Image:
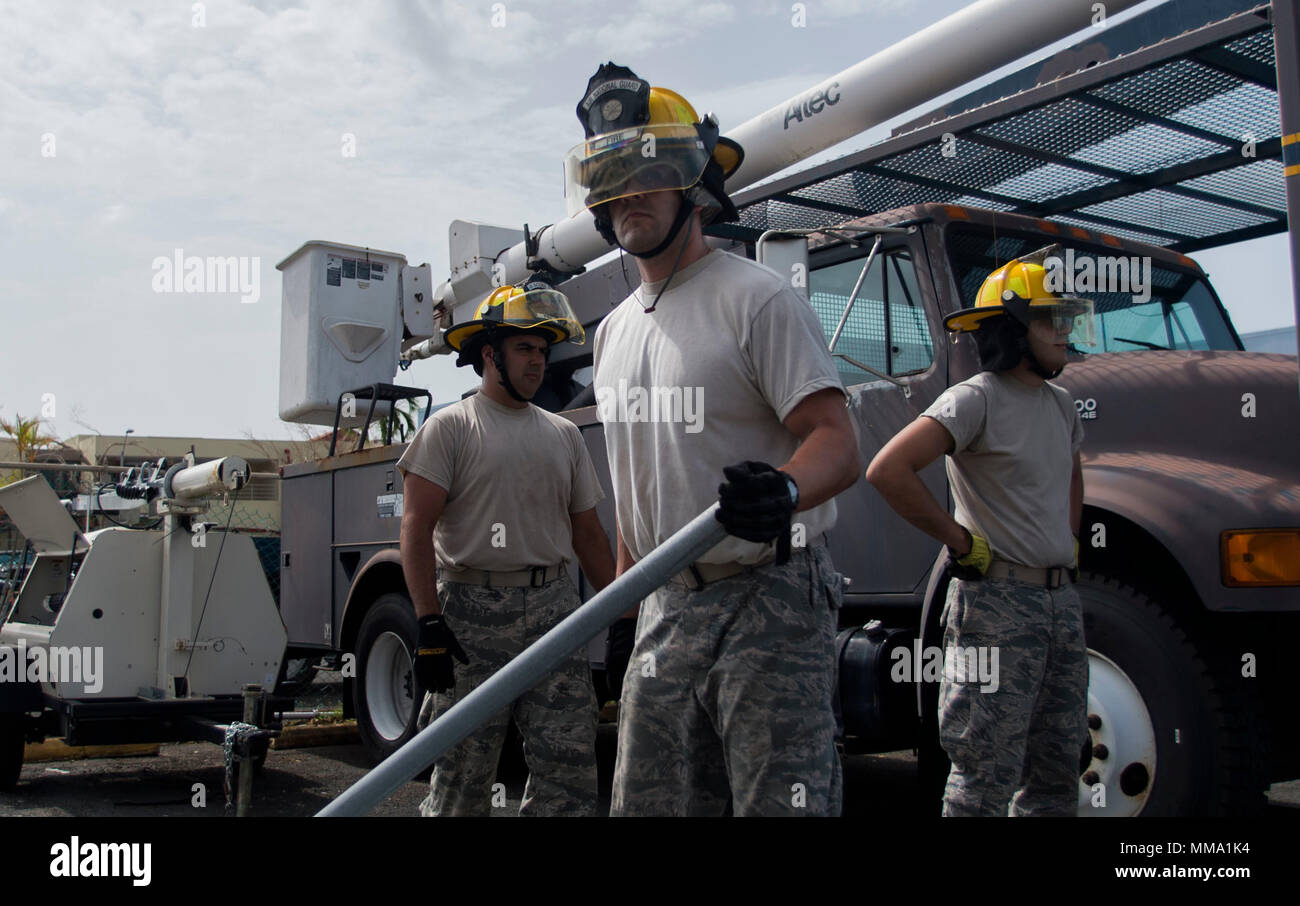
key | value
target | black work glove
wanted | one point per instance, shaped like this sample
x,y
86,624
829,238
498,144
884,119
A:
x,y
618,653
434,648
755,504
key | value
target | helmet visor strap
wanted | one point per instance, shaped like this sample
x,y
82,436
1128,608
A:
x,y
498,346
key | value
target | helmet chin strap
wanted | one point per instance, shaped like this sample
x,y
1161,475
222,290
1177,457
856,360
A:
x,y
497,345
684,209
1037,368
605,226
1034,365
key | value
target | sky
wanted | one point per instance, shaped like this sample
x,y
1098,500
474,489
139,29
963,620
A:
x,y
129,130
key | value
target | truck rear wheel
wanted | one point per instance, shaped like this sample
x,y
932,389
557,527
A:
x,y
12,741
1167,739
385,694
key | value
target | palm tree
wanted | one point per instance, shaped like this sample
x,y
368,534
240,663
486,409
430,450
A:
x,y
404,427
27,437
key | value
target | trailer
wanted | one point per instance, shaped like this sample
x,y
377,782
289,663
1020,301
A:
x,y
166,632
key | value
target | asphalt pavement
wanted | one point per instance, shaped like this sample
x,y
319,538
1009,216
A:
x,y
186,779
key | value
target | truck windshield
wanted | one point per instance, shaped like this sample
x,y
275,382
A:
x,y
1139,303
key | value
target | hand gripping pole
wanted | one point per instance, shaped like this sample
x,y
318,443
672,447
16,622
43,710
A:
x,y
694,540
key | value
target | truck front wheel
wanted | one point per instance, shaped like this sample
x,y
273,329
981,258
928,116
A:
x,y
385,694
1166,738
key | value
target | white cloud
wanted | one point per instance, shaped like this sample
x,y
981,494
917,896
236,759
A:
x,y
645,26
226,140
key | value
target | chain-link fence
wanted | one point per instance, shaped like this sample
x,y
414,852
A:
x,y
324,693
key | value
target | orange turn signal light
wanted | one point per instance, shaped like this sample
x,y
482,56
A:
x,y
1261,557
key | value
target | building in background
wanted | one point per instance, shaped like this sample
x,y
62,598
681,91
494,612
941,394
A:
x,y
257,507
1279,339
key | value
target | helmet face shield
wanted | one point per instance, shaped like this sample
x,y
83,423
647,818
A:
x,y
539,308
1071,318
1019,289
632,162
544,307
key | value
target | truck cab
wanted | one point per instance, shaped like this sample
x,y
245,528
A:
x,y
1190,542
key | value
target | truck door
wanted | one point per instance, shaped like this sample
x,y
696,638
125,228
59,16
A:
x,y
893,361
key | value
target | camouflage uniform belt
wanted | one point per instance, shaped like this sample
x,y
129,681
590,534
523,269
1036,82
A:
x,y
533,577
1047,577
698,575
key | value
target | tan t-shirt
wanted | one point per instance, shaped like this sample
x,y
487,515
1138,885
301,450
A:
x,y
512,478
701,383
1013,454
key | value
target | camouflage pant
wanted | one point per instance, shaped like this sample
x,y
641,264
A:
x,y
728,697
1020,742
557,717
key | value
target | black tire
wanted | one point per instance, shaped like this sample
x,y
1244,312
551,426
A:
x,y
1207,756
386,695
13,739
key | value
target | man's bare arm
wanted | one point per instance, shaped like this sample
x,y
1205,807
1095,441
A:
x,y
592,547
827,460
422,503
893,472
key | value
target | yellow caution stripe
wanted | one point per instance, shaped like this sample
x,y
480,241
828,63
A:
x,y
1291,154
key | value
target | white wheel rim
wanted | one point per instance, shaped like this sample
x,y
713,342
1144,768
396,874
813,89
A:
x,y
390,685
1128,771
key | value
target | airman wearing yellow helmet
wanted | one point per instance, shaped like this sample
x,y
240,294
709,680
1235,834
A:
x,y
497,491
1012,440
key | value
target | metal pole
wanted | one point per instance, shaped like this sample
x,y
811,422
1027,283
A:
x,y
951,53
1286,43
252,715
857,287
699,536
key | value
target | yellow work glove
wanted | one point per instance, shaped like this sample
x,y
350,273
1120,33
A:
x,y
975,563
